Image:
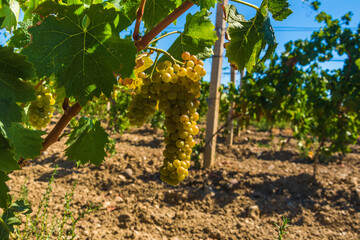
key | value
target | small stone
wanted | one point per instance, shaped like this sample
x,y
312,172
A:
x,y
122,177
119,199
106,204
151,162
233,181
128,172
253,212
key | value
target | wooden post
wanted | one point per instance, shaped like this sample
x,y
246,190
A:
x,y
230,127
242,74
214,95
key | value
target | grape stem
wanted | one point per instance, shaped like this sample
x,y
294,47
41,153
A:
x,y
140,13
39,84
155,63
165,53
165,35
247,4
145,40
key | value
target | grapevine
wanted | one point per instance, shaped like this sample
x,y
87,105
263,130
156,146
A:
x,y
85,49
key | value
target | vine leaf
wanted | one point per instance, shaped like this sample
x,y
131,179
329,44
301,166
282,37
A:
x,y
248,38
7,160
87,142
10,11
21,37
157,10
197,38
11,219
83,58
205,4
127,7
3,190
357,62
279,9
14,68
26,142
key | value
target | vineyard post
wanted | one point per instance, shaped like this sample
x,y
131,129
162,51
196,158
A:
x,y
230,136
242,74
214,94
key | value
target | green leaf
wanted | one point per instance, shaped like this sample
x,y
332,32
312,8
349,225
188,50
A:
x,y
31,6
21,37
11,219
7,160
13,68
127,7
357,62
279,9
197,38
10,12
248,38
87,142
4,197
205,4
26,142
84,60
157,10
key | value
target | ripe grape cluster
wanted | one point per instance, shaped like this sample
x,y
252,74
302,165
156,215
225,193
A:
x,y
41,110
174,89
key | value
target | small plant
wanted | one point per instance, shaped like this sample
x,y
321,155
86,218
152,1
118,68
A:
x,y
38,226
282,228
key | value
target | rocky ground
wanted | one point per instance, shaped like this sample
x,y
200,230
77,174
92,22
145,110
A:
x,y
251,186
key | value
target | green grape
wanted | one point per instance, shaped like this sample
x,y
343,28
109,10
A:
x,y
193,58
141,75
182,72
177,163
179,143
185,56
176,67
160,66
40,111
190,64
166,77
198,69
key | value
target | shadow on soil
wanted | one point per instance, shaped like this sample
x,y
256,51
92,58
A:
x,y
292,193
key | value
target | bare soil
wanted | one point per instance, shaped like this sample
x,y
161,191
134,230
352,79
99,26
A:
x,y
251,186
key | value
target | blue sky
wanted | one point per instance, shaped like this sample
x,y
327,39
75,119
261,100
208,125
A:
x,y
299,25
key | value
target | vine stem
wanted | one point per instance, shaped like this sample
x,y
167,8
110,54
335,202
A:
x,y
145,40
53,136
165,35
3,224
166,53
247,4
140,13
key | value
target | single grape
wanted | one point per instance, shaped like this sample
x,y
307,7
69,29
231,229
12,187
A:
x,y
185,56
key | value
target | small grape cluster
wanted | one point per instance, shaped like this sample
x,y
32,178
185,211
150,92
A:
x,y
175,88
41,110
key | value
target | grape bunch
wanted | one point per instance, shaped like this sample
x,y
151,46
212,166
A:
x,y
174,89
41,110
